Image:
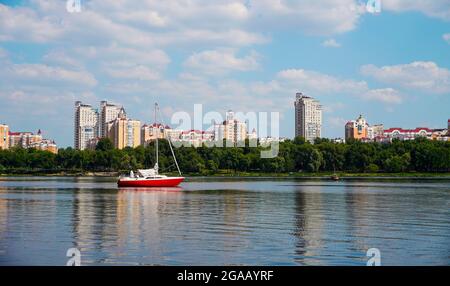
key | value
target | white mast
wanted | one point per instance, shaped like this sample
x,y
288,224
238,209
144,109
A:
x,y
170,145
156,142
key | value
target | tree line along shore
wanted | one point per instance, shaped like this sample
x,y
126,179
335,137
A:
x,y
420,157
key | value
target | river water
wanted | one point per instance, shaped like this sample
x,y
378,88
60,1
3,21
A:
x,y
224,222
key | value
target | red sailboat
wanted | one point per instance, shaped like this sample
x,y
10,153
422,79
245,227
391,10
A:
x,y
151,177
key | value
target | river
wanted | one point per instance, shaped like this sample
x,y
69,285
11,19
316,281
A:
x,y
213,221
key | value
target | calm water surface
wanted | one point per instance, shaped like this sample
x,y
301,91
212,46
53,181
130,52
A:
x,y
224,222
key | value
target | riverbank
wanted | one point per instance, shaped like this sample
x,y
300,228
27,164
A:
x,y
232,174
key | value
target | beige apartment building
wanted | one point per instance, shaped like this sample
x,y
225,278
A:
x,y
308,117
4,136
108,112
124,132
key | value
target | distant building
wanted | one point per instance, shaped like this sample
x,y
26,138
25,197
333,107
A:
x,y
308,117
375,131
4,136
172,134
45,145
356,129
151,132
24,139
124,132
30,140
407,134
338,140
92,143
108,113
231,129
253,135
85,125
267,140
196,138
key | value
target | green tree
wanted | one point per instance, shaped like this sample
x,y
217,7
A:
x,y
104,144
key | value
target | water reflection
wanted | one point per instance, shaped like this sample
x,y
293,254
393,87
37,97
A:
x,y
249,222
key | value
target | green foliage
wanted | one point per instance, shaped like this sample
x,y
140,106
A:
x,y
104,144
294,156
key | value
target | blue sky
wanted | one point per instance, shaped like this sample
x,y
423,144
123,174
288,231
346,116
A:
x,y
393,67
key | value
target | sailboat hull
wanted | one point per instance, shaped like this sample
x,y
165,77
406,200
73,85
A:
x,y
153,182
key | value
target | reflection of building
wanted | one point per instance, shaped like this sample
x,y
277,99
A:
x,y
108,113
4,136
86,124
231,129
308,117
124,132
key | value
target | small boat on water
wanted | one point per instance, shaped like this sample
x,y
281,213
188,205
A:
x,y
151,177
335,177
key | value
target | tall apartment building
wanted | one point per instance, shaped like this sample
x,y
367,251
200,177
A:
x,y
124,132
4,136
308,117
108,113
86,125
231,129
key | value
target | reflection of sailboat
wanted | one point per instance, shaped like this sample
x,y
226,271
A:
x,y
152,189
151,177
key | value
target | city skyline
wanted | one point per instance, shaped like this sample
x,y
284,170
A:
x,y
242,58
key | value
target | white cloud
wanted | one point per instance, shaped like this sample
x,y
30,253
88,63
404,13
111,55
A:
x,y
3,53
436,8
385,95
125,71
39,74
219,62
315,82
331,43
321,17
446,37
424,76
24,24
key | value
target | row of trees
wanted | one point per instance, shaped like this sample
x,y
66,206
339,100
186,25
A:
x,y
296,155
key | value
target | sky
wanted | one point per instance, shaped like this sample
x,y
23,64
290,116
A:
x,y
393,66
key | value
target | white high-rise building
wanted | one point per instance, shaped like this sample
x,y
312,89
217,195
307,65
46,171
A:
x,y
308,117
108,113
86,125
231,129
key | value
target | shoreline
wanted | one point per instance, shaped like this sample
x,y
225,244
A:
x,y
309,176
